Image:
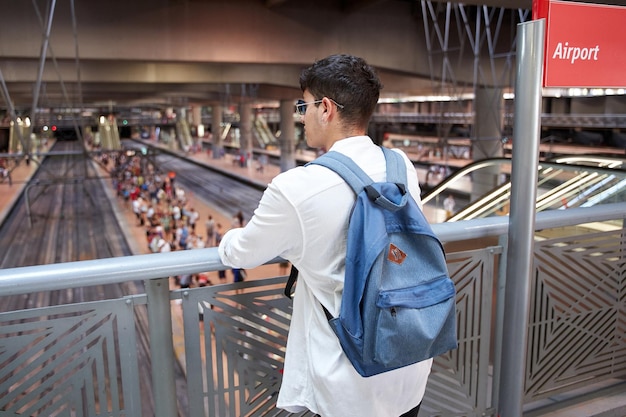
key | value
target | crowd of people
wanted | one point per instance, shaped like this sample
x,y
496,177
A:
x,y
160,206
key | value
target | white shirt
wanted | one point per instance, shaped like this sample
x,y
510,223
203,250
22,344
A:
x,y
176,212
303,217
137,206
164,246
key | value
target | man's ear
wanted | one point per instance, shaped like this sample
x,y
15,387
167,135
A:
x,y
330,110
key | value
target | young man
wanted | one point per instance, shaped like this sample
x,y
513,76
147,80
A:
x,y
303,217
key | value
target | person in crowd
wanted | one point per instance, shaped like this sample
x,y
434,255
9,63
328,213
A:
x,y
238,220
448,205
137,210
166,222
210,231
182,236
163,246
5,172
199,243
177,214
192,218
218,238
303,218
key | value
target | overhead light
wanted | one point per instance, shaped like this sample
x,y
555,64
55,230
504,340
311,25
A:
x,y
426,98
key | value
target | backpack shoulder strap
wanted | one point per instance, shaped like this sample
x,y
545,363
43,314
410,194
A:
x,y
396,167
359,181
293,276
346,168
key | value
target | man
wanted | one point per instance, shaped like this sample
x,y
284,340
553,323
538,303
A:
x,y
303,217
210,231
193,219
448,205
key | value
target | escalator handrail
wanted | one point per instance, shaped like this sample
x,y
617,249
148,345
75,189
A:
x,y
443,185
469,211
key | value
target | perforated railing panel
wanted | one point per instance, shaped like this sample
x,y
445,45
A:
x,y
460,383
234,361
577,330
70,360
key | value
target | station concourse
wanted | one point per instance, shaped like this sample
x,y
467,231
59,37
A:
x,y
192,66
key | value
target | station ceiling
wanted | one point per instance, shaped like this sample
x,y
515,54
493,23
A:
x,y
160,53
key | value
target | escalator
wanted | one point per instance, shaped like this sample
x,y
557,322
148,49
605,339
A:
x,y
108,135
483,188
183,134
263,134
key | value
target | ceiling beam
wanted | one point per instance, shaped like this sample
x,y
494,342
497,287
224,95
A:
x,y
273,3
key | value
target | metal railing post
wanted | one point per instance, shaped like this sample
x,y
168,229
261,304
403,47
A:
x,y
522,217
161,347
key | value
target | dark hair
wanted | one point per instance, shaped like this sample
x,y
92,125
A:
x,y
349,81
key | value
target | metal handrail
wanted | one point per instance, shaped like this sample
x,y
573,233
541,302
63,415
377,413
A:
x,y
566,162
23,280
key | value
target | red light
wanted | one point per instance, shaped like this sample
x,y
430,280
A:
x,y
54,128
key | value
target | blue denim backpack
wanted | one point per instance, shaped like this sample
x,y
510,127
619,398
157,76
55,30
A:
x,y
398,302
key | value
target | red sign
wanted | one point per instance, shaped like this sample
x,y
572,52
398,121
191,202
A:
x,y
585,44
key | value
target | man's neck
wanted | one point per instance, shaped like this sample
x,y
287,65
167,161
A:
x,y
343,134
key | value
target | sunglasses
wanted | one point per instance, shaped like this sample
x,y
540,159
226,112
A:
x,y
301,105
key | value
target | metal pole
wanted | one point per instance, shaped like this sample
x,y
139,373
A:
x,y
28,213
9,103
42,63
526,135
287,136
499,318
161,347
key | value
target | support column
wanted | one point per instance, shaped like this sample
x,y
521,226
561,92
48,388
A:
x,y
487,138
519,266
161,348
196,121
245,143
168,133
16,135
216,130
287,135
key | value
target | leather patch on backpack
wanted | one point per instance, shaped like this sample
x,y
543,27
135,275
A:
x,y
395,254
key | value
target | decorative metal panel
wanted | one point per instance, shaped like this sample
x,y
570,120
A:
x,y
70,360
459,383
577,327
234,362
